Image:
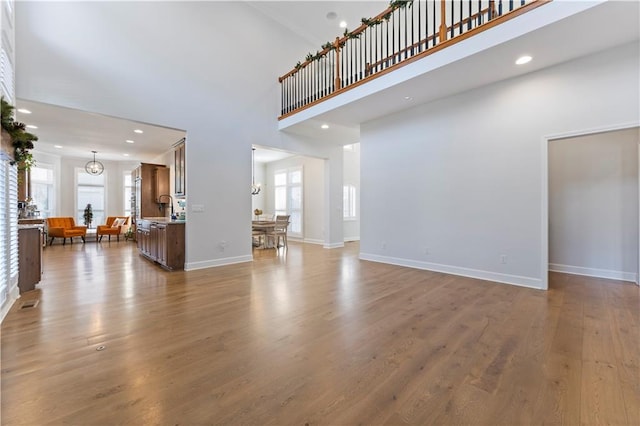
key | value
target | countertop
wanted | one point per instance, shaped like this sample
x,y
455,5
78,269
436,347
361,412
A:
x,y
166,220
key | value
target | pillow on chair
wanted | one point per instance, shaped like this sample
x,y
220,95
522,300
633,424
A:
x,y
118,222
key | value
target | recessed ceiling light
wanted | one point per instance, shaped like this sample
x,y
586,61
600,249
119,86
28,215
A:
x,y
57,146
523,60
324,126
129,141
408,98
332,15
31,126
24,111
126,155
138,131
343,24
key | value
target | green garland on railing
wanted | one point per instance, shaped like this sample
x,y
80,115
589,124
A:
x,y
348,35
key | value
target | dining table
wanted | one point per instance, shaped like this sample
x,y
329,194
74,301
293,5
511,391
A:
x,y
260,228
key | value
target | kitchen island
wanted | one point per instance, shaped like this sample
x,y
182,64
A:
x,y
161,240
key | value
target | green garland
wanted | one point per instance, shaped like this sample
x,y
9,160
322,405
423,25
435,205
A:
x,y
347,35
22,140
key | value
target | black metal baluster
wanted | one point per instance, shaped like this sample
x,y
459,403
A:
x,y
433,40
500,8
419,29
406,27
479,12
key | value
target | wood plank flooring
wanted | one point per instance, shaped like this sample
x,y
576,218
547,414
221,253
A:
x,y
313,337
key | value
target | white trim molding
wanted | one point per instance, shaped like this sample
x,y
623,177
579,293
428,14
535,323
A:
x,y
14,294
593,272
333,245
192,266
528,282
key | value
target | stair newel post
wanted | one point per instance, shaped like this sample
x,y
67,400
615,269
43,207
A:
x,y
338,81
443,21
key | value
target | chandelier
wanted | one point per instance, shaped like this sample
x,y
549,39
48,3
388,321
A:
x,y
255,188
94,168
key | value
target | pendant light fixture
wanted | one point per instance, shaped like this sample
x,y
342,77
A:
x,y
94,168
255,188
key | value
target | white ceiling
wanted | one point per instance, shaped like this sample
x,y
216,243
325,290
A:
x,y
79,133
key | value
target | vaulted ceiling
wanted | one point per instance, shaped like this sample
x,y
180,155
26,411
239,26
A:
x,y
214,46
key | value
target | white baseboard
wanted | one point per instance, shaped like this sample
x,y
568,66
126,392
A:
x,y
593,272
457,270
14,294
192,266
313,241
350,239
333,245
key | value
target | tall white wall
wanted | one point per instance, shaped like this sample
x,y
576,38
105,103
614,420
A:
x,y
312,192
593,204
456,185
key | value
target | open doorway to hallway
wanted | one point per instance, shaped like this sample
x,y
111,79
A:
x,y
594,204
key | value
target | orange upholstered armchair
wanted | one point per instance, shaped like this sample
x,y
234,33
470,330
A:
x,y
64,227
115,225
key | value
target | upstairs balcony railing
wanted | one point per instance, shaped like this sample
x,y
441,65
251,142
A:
x,y
406,31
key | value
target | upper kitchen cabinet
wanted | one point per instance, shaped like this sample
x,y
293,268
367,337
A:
x,y
180,189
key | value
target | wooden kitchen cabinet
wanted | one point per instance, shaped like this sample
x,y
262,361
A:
x,y
29,258
162,242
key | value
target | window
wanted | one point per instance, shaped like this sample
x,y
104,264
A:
x,y
349,202
128,187
6,75
90,190
288,197
42,191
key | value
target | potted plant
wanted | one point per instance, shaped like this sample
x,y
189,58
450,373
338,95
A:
x,y
21,140
88,215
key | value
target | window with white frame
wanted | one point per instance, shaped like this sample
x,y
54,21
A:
x,y
90,189
349,202
288,197
128,187
42,189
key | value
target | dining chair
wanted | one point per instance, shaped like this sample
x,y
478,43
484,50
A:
x,y
279,230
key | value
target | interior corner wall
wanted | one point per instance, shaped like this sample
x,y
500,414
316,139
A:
x,y
456,185
593,205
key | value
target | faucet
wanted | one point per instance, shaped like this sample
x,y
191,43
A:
x,y
160,203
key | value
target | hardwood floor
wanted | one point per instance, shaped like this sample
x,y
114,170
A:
x,y
314,337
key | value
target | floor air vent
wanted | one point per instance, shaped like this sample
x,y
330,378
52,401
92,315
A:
x,y
29,304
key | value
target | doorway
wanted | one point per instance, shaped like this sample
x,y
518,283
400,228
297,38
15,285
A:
x,y
593,184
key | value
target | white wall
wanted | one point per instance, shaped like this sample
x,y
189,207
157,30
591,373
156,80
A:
x,y
312,192
457,184
351,176
593,204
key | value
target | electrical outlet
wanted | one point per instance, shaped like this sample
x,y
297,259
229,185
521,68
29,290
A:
x,y
426,251
383,246
223,245
503,259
